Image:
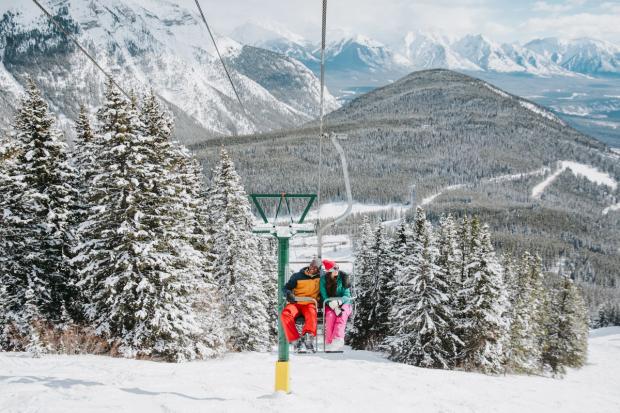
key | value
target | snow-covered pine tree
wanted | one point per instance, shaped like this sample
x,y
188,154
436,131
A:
x,y
522,353
449,271
364,278
566,343
464,247
268,253
484,316
137,267
237,269
374,272
381,270
510,278
403,244
424,335
4,316
38,193
402,247
539,309
85,149
185,183
5,185
32,323
463,257
608,314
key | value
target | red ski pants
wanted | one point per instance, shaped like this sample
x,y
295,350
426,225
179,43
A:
x,y
291,312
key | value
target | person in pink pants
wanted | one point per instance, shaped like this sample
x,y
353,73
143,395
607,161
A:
x,y
335,284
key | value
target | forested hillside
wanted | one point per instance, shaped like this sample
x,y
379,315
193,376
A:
x,y
477,150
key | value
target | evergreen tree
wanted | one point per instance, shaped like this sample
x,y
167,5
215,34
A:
x,y
372,320
237,269
138,269
32,323
464,247
4,316
566,343
38,193
358,336
538,308
449,271
85,150
422,311
269,265
403,244
608,314
192,225
484,323
380,289
523,353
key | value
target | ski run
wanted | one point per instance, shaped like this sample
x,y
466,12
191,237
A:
x,y
354,381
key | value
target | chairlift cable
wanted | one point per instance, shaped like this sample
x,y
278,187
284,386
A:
x,y
79,46
321,114
220,57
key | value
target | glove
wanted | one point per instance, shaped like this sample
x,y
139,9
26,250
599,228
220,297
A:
x,y
290,297
335,305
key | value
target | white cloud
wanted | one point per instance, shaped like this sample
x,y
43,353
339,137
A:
x,y
601,26
553,8
566,5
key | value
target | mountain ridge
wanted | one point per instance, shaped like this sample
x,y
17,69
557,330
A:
x,y
471,148
521,58
149,44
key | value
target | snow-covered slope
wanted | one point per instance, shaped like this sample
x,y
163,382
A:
x,y
275,37
354,381
358,53
158,44
587,171
431,51
587,56
426,50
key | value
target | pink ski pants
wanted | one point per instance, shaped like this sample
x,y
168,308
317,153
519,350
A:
x,y
335,325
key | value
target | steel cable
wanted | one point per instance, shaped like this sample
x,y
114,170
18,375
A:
x,y
79,46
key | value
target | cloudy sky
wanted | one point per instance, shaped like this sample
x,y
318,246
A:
x,y
389,20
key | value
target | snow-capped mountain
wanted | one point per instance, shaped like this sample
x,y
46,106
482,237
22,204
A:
x,y
345,52
430,51
152,44
504,58
359,53
274,37
587,56
425,50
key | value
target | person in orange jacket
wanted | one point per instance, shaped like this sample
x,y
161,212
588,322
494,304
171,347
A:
x,y
304,283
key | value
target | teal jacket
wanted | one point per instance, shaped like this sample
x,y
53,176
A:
x,y
341,289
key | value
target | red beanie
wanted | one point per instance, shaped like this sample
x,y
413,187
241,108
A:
x,y
329,265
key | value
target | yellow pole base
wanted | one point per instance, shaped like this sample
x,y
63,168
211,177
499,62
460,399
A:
x,y
282,377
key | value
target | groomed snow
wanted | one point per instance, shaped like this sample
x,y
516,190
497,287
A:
x,y
356,381
431,198
334,209
579,169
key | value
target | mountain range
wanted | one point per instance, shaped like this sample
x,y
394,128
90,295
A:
x,y
151,44
427,50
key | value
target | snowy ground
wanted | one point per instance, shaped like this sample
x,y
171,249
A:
x,y
579,169
354,381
